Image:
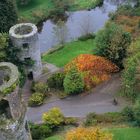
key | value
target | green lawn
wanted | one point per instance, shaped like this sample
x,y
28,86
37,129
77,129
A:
x,y
35,10
39,9
57,137
126,133
118,133
82,4
70,51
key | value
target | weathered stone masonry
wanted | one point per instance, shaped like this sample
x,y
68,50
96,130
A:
x,y
25,37
13,123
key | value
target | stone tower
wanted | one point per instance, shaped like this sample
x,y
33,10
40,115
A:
x,y
25,37
13,123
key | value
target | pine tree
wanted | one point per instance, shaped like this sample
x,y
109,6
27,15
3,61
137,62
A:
x,y
8,14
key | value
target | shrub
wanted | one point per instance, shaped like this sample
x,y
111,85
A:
x,y
110,117
88,134
8,15
60,6
70,120
94,69
40,131
130,77
90,119
53,117
136,111
112,42
128,113
40,87
36,99
73,82
93,119
86,37
56,81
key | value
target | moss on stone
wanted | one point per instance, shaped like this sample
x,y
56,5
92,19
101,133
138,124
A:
x,y
9,86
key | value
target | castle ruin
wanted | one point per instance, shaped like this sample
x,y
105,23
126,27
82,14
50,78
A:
x,y
13,123
24,36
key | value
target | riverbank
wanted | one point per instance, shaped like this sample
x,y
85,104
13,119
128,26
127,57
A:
x,y
38,10
70,50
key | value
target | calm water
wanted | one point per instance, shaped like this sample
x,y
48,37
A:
x,y
78,24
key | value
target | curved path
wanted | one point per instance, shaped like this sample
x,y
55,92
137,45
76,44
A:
x,y
100,100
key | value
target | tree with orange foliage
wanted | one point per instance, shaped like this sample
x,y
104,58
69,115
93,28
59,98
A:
x,y
94,69
88,134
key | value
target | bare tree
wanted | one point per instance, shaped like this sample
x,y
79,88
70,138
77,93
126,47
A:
x,y
61,32
85,26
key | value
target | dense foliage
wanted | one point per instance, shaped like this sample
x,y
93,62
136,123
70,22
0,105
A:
x,y
130,77
128,17
94,69
88,134
53,117
3,46
136,112
40,92
39,132
111,117
73,82
36,99
60,6
112,42
8,14
9,53
56,80
132,114
40,87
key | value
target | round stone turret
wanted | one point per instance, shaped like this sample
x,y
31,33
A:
x,y
25,37
13,122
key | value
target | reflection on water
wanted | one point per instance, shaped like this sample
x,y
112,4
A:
x,y
79,23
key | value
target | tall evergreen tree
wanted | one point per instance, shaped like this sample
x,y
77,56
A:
x,y
8,14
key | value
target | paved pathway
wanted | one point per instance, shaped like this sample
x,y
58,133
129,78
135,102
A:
x,y
99,101
51,69
26,89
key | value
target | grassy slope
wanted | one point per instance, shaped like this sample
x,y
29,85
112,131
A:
x,y
40,8
85,4
55,138
70,51
126,133
118,133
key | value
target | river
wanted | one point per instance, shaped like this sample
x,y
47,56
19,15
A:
x,y
78,23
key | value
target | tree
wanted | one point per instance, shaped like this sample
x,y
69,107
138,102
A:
x,y
8,14
88,134
61,32
73,82
60,6
137,3
131,74
94,69
86,26
112,42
